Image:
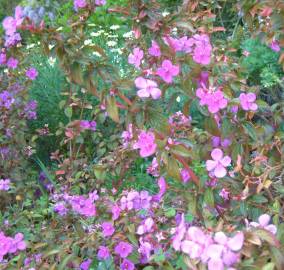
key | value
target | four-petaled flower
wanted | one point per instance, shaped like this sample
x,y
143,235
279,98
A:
x,y
136,57
263,222
127,265
248,101
103,253
108,229
147,88
146,144
155,50
218,164
79,4
167,71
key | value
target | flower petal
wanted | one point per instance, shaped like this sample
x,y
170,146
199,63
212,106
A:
x,y
220,171
217,154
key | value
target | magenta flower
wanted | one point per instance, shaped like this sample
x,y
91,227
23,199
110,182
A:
x,y
60,208
146,144
85,265
274,45
3,58
32,73
162,189
83,206
185,176
103,253
79,4
136,57
218,164
115,210
147,88
214,100
248,101
167,71
123,249
263,222
108,229
100,2
202,51
127,265
5,184
12,63
155,50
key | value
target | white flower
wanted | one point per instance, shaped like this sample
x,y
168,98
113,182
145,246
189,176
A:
x,y
178,99
165,13
111,43
87,42
51,61
97,54
95,34
50,46
30,46
114,27
128,34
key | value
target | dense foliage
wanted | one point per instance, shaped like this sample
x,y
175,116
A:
x,y
142,134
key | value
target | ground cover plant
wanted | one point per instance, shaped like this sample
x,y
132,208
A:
x,y
142,134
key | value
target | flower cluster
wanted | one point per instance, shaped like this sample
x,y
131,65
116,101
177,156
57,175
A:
x,y
79,204
5,184
213,98
91,125
217,251
9,245
248,101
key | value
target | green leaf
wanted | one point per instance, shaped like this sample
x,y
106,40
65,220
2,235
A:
x,y
171,212
209,197
181,151
250,130
173,168
112,109
68,112
268,266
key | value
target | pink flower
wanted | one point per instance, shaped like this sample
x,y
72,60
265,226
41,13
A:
x,y
108,229
155,50
11,24
153,168
18,243
202,51
127,265
12,63
218,164
146,226
146,144
263,222
167,71
115,212
79,4
248,101
163,188
103,253
100,2
215,100
136,57
274,45
185,176
224,194
32,73
123,249
147,88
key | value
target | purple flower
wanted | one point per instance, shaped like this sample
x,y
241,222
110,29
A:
x,y
146,144
32,73
83,206
85,265
224,194
218,164
136,57
248,101
60,208
115,212
103,253
147,88
127,265
5,184
18,243
163,188
146,226
167,71
12,40
6,100
79,4
12,63
10,24
155,50
123,249
91,125
108,229
274,45
153,168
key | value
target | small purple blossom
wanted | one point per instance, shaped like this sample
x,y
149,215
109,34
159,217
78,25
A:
x,y
248,101
103,253
155,50
108,229
123,249
12,63
136,57
5,184
32,73
167,71
85,265
127,265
